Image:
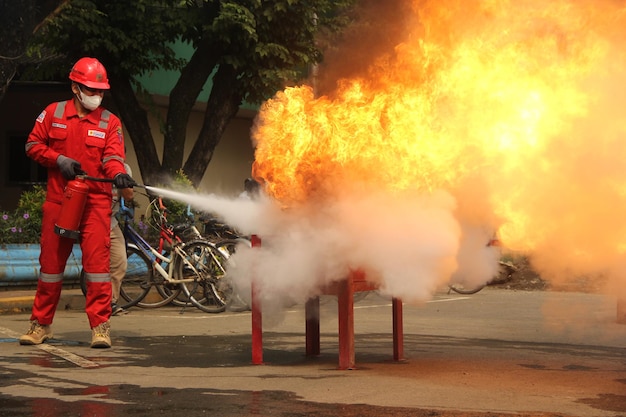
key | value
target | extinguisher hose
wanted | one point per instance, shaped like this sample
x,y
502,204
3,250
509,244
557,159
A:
x,y
97,179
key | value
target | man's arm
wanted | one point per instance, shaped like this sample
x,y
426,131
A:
x,y
113,157
37,145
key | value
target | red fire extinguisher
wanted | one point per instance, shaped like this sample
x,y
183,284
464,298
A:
x,y
72,207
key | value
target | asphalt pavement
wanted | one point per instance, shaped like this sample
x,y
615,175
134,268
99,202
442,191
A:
x,y
498,352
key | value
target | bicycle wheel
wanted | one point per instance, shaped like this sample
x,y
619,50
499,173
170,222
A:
x,y
136,282
461,289
228,247
470,280
160,292
203,263
504,275
180,300
166,289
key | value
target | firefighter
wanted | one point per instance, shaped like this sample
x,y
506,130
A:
x,y
70,138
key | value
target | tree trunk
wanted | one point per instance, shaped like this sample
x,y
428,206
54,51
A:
x,y
136,123
222,106
182,98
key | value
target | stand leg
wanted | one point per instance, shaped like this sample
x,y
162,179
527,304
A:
x,y
257,317
312,313
398,330
345,300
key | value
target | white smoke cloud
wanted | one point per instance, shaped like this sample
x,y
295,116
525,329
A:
x,y
407,245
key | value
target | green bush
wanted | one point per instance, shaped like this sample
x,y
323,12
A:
x,y
177,211
23,225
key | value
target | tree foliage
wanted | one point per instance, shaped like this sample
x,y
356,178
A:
x,y
249,49
18,21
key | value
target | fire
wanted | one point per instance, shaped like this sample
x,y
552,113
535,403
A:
x,y
514,108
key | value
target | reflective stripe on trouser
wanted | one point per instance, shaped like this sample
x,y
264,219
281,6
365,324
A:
x,y
47,298
98,298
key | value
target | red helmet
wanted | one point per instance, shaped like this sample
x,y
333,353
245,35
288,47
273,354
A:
x,y
90,72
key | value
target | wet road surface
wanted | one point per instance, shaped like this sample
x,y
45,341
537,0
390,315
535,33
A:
x,y
497,352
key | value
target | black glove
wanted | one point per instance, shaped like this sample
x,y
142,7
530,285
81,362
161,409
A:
x,y
124,181
69,167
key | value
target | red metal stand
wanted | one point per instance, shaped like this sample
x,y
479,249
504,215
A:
x,y
257,316
344,290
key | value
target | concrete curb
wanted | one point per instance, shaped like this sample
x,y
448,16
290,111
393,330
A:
x,y
21,301
10,305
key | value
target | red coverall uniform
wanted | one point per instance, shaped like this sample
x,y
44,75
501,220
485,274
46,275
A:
x,y
97,142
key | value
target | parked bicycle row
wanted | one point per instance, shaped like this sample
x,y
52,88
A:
x,y
174,263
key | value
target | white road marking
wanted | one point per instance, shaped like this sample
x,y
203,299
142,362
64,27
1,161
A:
x,y
443,300
68,356
248,313
63,354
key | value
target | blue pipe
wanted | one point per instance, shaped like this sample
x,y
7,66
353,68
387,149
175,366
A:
x,y
19,264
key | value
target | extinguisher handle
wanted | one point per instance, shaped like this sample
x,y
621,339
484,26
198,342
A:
x,y
87,177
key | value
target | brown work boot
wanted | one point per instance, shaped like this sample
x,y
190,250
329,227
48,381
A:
x,y
101,335
36,335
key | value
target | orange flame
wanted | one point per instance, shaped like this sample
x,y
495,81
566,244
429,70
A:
x,y
515,108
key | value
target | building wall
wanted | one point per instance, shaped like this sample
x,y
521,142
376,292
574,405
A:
x,y
230,165
18,110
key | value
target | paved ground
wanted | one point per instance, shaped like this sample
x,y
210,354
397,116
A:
x,y
497,352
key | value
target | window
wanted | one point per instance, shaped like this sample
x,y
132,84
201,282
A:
x,y
20,169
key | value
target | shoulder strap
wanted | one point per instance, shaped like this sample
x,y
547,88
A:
x,y
58,112
104,119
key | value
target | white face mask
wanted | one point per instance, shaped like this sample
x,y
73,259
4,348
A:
x,y
89,102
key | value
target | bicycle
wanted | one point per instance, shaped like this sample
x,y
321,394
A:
x,y
210,295
197,267
227,239
158,214
505,273
184,261
216,231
